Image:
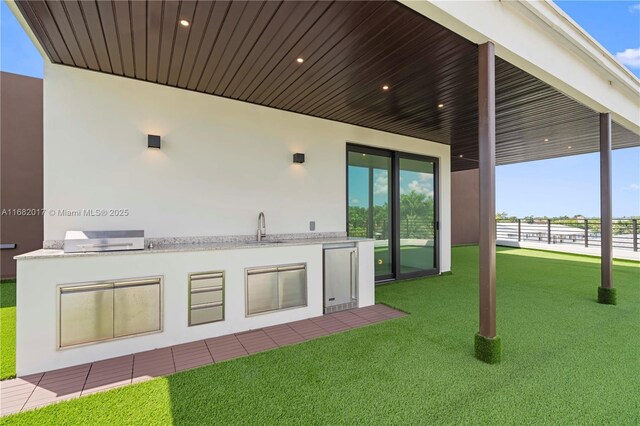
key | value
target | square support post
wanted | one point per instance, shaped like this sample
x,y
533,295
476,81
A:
x,y
487,343
606,292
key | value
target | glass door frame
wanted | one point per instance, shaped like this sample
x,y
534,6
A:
x,y
361,149
394,189
395,215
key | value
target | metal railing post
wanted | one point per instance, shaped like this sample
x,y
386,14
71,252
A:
x,y
519,233
635,234
548,231
586,233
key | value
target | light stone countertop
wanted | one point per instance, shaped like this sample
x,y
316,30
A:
x,y
198,246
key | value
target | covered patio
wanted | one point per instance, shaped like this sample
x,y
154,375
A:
x,y
389,66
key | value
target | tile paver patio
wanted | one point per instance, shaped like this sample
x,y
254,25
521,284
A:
x,y
37,390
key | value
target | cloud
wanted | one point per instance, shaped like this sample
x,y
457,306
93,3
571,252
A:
x,y
630,57
634,186
634,8
421,188
381,185
425,176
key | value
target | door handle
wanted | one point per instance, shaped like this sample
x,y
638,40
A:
x,y
291,268
261,271
206,276
206,289
83,288
206,305
135,283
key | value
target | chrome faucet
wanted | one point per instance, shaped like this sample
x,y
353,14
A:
x,y
262,227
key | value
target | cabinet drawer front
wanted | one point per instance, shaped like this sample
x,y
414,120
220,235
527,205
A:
x,y
202,315
206,280
85,316
200,297
136,309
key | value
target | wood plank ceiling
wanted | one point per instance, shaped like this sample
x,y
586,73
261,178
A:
x,y
248,51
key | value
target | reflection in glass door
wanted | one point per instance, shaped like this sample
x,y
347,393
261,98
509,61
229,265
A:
x,y
416,222
369,205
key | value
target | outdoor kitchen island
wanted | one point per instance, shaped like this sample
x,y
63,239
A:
x,y
76,308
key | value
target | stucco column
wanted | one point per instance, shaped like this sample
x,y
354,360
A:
x,y
606,292
487,343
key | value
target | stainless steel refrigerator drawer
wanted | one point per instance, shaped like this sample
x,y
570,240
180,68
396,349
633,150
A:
x,y
340,279
206,313
207,296
136,307
86,314
208,280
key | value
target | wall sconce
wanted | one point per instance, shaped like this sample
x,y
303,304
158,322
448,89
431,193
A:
x,y
153,141
298,158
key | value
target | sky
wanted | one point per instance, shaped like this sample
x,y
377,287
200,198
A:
x,y
17,53
570,186
564,186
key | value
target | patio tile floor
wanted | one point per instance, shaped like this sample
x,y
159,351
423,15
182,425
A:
x,y
37,390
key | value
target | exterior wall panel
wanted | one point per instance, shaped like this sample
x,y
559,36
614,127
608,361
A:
x,y
21,166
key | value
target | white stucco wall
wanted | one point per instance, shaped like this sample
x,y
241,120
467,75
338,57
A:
x,y
221,162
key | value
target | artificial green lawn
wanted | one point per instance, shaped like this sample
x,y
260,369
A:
x,y
566,360
7,329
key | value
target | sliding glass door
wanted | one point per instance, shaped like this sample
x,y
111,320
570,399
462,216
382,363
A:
x,y
417,216
369,205
392,198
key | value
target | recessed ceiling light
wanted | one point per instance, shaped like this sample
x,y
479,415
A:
x,y
300,60
440,105
184,22
385,87
546,140
460,155
569,147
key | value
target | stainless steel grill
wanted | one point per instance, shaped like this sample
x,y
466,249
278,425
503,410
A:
x,y
87,241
